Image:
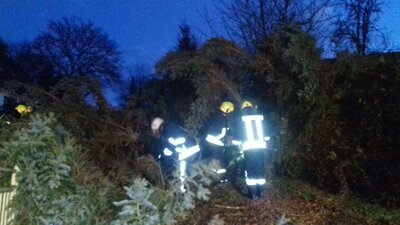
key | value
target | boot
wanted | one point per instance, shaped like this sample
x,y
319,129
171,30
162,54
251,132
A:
x,y
252,192
260,191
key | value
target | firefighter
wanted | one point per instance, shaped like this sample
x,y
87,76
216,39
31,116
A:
x,y
218,138
177,144
253,146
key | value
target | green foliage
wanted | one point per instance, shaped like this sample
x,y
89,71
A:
x,y
56,185
353,129
212,72
91,126
137,209
331,120
148,205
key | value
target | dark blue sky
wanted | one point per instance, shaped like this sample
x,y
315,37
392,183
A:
x,y
143,29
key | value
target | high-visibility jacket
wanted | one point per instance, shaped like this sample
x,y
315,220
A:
x,y
252,132
177,142
217,130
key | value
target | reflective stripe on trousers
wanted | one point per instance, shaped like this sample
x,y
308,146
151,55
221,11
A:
x,y
253,181
182,174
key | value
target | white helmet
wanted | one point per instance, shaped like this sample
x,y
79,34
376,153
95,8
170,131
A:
x,y
155,124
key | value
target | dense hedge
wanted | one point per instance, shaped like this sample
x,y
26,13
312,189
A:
x,y
349,140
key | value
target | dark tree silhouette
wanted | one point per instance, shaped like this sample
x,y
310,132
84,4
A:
x,y
186,39
251,22
78,49
36,68
6,64
354,29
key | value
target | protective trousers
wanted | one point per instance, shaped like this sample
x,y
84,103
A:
x,y
254,166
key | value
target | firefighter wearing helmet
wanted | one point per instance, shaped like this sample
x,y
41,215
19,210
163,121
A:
x,y
217,137
177,144
253,146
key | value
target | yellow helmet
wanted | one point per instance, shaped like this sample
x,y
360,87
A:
x,y
246,104
23,109
227,107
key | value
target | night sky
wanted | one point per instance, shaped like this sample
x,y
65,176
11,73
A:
x,y
143,29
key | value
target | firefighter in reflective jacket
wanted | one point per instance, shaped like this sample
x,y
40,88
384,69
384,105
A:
x,y
177,143
218,136
254,145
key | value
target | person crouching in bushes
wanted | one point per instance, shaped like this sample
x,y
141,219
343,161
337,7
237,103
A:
x,y
177,144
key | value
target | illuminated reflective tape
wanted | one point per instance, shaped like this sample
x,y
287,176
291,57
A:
x,y
167,152
177,141
249,129
219,171
216,139
235,142
251,182
182,174
260,181
186,152
182,169
260,133
267,138
213,140
252,142
254,145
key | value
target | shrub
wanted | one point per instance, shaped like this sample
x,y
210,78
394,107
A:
x,y
56,184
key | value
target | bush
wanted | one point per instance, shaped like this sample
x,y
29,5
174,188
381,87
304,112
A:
x,y
56,184
147,205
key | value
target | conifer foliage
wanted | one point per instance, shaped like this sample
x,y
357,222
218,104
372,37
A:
x,y
147,205
52,177
214,72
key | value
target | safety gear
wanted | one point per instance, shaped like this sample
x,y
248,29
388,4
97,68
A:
x,y
227,107
253,140
218,136
177,144
253,146
246,104
23,109
216,139
155,124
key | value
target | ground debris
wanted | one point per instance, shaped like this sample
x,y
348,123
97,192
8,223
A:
x,y
235,209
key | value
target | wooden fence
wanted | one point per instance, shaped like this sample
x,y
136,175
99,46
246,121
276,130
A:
x,y
6,195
